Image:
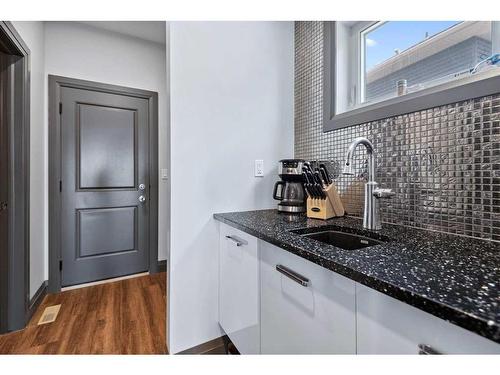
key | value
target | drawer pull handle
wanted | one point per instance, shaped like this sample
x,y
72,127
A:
x,y
426,350
292,275
235,240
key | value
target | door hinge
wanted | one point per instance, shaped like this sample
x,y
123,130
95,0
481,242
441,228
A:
x,y
60,186
60,265
60,107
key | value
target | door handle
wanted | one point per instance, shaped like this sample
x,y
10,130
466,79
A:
x,y
292,275
235,240
142,199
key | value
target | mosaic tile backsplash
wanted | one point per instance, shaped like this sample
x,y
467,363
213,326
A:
x,y
443,163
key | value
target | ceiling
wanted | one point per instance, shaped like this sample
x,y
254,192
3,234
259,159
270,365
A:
x,y
153,31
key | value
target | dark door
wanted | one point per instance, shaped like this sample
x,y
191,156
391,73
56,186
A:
x,y
4,192
14,179
105,185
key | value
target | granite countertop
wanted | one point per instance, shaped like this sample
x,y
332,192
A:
x,y
455,278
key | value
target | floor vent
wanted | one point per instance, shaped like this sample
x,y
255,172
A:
x,y
49,314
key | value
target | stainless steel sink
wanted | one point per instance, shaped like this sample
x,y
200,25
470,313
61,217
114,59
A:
x,y
342,239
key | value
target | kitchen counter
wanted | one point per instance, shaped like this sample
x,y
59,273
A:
x,y
452,277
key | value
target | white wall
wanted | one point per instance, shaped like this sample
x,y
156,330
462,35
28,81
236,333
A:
x,y
231,103
33,35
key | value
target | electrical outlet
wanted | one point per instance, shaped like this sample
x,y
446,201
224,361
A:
x,y
164,174
259,168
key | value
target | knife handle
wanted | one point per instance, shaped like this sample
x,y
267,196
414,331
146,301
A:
x,y
310,177
306,179
317,177
322,191
322,167
325,177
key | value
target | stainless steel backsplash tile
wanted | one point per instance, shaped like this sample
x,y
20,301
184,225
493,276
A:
x,y
443,163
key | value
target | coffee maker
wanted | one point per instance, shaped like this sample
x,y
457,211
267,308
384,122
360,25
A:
x,y
291,194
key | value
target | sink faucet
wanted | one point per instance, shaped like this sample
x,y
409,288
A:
x,y
371,216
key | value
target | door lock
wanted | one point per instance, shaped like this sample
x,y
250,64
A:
x,y
142,187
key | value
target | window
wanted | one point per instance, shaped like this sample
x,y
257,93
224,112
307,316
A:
x,y
372,63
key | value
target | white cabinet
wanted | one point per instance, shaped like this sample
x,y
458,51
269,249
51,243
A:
x,y
388,326
239,307
315,318
274,302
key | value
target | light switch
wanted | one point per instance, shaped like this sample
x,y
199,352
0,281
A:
x,y
164,174
259,168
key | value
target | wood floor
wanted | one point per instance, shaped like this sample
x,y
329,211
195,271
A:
x,y
122,317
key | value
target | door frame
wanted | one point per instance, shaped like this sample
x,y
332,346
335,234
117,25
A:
x,y
55,85
14,265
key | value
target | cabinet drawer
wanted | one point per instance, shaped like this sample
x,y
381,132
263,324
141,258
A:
x,y
299,317
388,326
239,307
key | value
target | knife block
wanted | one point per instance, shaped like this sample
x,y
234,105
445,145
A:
x,y
326,208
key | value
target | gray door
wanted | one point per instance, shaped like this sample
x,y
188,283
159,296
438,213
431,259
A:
x,y
4,193
105,185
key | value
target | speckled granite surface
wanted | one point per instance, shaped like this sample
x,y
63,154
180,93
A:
x,y
454,278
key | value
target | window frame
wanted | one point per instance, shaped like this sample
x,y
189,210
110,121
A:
x,y
359,35
482,84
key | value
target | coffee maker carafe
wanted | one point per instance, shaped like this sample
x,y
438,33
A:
x,y
290,190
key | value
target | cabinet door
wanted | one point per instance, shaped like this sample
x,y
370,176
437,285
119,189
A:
x,y
388,326
239,289
304,319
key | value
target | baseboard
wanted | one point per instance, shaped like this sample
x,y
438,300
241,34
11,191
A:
x,y
209,347
104,281
162,265
37,299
